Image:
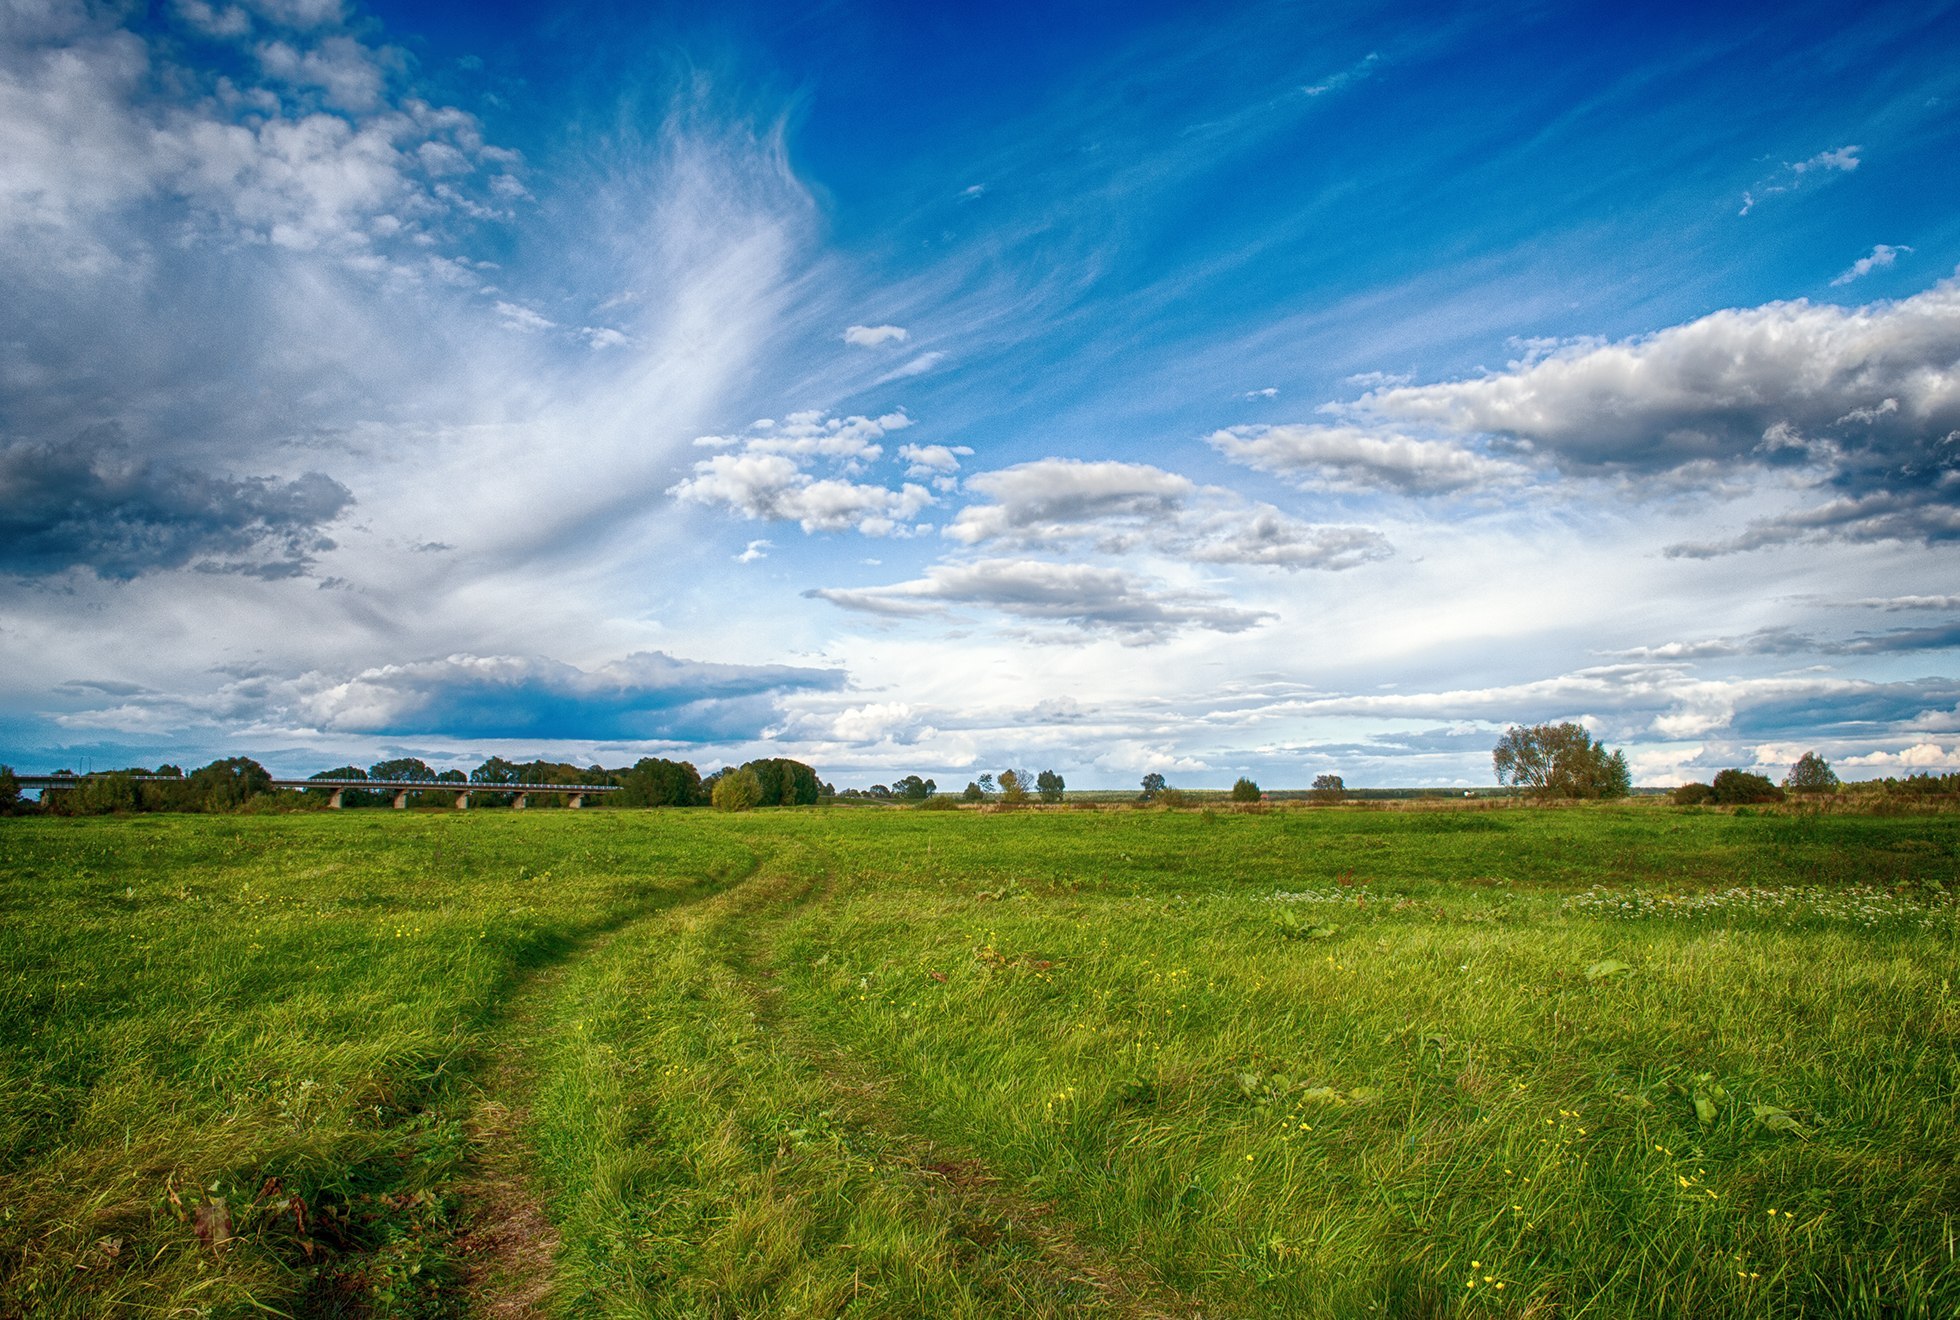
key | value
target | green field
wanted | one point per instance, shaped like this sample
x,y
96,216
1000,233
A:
x,y
1609,1061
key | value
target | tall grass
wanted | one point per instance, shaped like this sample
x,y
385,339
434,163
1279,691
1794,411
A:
x,y
1337,1062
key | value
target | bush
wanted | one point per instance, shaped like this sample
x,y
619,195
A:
x,y
738,790
1692,795
940,802
1245,790
1733,787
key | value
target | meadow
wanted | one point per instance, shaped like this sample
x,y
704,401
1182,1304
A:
x,y
1493,1060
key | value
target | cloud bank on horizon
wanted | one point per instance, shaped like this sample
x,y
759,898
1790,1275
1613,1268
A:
x,y
1213,396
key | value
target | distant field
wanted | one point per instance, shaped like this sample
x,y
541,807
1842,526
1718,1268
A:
x,y
1610,1061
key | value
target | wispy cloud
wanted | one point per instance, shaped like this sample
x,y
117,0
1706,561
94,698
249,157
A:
x,y
870,336
1802,174
1883,255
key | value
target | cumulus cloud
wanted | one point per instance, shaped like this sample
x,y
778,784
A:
x,y
93,503
1117,507
1883,255
767,476
1862,401
1355,458
933,460
647,696
1082,595
870,336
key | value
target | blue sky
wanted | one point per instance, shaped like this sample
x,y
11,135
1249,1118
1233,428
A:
x,y
1269,390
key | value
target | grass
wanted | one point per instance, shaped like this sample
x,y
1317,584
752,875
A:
x,y
1502,1061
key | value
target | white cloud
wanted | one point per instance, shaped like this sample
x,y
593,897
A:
x,y
870,336
917,366
1270,392
1883,255
1118,507
602,336
1085,596
1920,758
766,476
1355,458
516,317
938,462
1837,160
756,550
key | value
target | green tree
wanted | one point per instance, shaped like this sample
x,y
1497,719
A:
x,y
974,793
1327,788
1692,794
1739,787
1560,761
738,790
228,784
987,786
1050,785
1153,784
1244,790
913,789
655,782
1013,787
1811,774
9,791
785,783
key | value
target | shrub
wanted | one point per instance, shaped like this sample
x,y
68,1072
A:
x,y
1245,790
940,802
1733,787
1692,795
738,790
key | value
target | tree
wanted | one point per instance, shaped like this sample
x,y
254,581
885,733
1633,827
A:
x,y
1328,788
654,782
1013,787
1739,787
987,787
1050,786
737,790
229,783
975,793
784,783
9,790
1811,774
496,770
353,797
1560,761
403,768
914,789
1692,794
1153,784
1245,790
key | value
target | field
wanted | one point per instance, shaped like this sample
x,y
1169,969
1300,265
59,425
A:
x,y
1471,1061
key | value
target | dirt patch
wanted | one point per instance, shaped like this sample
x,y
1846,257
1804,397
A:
x,y
506,1245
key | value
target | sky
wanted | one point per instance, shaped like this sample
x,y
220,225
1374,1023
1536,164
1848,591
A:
x,y
1208,390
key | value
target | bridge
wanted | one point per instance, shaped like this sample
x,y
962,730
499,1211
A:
x,y
398,789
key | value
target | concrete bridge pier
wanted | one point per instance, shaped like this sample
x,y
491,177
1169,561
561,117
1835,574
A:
x,y
517,801
333,799
575,800
462,802
401,800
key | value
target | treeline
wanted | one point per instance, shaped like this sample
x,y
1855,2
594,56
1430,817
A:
x,y
240,783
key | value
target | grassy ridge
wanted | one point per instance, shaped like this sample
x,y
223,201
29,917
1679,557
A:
x,y
900,1063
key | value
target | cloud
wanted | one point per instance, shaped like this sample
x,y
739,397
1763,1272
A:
x,y
648,696
870,336
1920,758
938,462
1791,641
1352,74
1881,256
1892,604
93,503
756,550
516,317
1270,392
1792,177
1355,458
1863,402
917,366
767,477
1118,507
1082,595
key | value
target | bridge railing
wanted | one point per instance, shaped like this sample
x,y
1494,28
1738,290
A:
x,y
397,789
